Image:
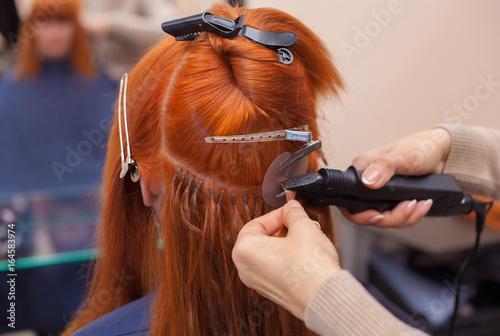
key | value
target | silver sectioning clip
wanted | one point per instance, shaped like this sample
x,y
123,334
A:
x,y
293,134
128,163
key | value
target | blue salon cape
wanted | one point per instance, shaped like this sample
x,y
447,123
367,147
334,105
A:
x,y
131,319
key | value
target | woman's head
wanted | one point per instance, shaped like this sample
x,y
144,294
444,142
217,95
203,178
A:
x,y
178,94
53,32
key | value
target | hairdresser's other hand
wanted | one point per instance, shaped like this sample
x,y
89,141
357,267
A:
x,y
287,270
417,154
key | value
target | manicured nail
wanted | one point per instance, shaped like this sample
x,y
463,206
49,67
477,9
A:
x,y
370,176
409,208
294,204
425,207
375,219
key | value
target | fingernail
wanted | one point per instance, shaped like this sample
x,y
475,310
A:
x,y
375,219
425,207
410,206
294,204
370,176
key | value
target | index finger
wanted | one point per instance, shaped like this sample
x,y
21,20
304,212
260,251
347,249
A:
x,y
364,160
267,224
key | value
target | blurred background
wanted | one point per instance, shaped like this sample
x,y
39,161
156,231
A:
x,y
407,65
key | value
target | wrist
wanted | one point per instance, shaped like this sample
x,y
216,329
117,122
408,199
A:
x,y
442,138
301,296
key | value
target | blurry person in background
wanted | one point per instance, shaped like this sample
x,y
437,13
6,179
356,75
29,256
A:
x,y
121,31
55,111
55,106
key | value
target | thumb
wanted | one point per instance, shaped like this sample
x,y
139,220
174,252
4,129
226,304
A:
x,y
380,171
295,218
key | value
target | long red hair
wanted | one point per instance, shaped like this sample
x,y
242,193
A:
x,y
28,63
179,93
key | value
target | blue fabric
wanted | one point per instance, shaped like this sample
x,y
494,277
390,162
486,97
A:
x,y
53,128
131,319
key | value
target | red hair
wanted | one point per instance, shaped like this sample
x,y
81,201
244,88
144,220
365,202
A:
x,y
28,63
180,93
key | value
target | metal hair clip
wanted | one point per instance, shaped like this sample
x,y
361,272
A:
x,y
293,134
303,151
128,163
298,133
190,27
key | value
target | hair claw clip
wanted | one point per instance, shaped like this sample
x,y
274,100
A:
x,y
128,163
190,27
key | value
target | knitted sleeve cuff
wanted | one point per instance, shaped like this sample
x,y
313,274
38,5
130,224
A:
x,y
474,158
342,306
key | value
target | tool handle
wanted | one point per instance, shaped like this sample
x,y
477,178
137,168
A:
x,y
442,207
345,189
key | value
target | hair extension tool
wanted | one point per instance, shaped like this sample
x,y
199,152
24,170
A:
x,y
345,189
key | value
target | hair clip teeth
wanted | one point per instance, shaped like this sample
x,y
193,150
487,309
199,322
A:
x,y
189,37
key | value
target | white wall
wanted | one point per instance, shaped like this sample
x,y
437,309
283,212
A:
x,y
425,58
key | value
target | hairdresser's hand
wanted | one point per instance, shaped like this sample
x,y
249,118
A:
x,y
287,270
417,154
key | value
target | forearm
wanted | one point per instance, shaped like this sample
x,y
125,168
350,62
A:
x,y
474,159
342,306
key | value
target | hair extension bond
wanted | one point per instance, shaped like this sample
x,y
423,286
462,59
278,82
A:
x,y
179,93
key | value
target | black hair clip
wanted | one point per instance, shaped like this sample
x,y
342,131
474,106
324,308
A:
x,y
190,27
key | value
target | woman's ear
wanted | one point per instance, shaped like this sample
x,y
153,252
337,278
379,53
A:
x,y
149,193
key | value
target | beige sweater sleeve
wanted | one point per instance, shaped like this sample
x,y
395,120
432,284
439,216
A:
x,y
474,159
342,306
